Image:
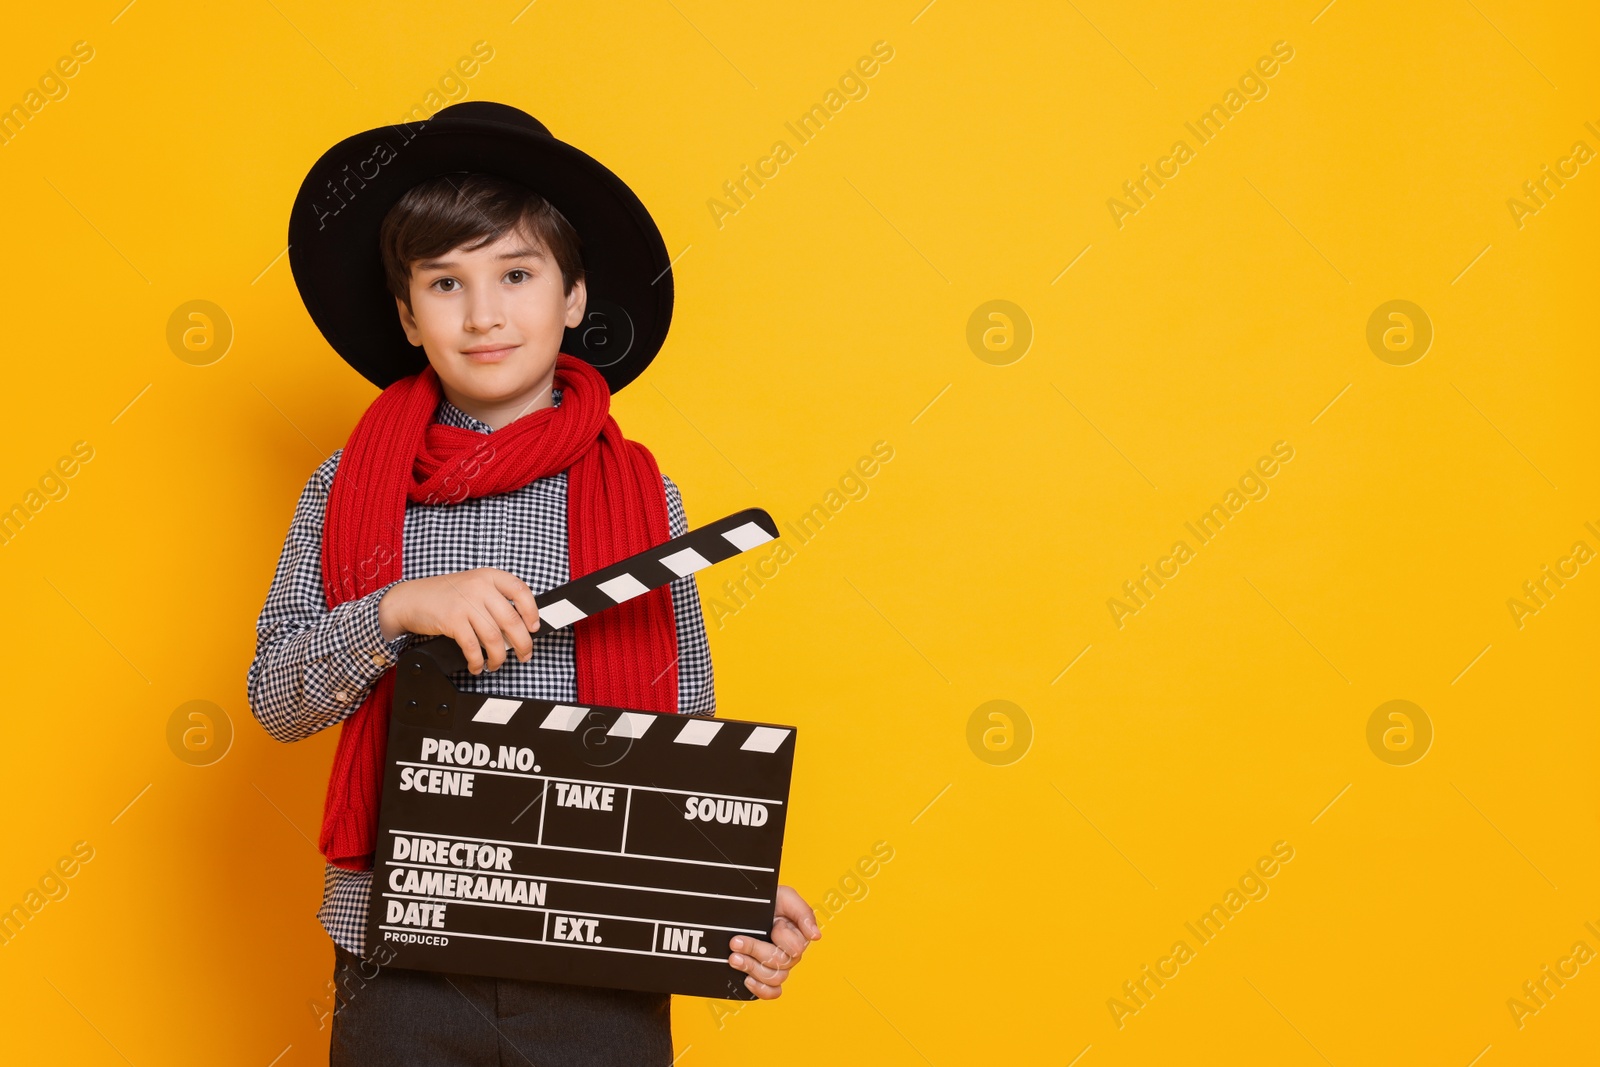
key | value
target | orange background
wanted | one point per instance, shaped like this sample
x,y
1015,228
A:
x,y
1042,859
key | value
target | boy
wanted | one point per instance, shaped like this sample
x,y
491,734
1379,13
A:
x,y
487,468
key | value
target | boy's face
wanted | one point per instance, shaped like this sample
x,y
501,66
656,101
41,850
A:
x,y
491,323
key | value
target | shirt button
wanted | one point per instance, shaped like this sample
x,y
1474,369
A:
x,y
379,659
342,697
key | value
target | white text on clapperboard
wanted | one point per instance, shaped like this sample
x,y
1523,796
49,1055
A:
x,y
464,885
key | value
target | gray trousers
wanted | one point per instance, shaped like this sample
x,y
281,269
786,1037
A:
x,y
388,1016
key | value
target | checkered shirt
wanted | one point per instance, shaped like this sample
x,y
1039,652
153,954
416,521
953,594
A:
x,y
314,666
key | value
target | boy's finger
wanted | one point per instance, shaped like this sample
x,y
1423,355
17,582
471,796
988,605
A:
x,y
762,990
757,970
763,951
517,591
510,623
789,938
467,638
494,644
792,906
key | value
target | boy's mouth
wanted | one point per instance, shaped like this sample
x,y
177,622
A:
x,y
488,353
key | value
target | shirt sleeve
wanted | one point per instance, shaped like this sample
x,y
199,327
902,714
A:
x,y
313,666
696,692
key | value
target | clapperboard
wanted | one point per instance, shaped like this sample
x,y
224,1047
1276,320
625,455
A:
x,y
596,846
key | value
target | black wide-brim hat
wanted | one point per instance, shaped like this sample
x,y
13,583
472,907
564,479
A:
x,y
334,224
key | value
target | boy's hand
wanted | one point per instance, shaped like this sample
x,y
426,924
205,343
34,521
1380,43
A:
x,y
484,607
766,964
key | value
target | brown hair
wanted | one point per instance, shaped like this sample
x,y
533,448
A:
x,y
451,210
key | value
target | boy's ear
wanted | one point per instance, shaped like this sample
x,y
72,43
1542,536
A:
x,y
577,301
408,322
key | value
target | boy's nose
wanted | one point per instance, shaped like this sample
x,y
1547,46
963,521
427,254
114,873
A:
x,y
485,313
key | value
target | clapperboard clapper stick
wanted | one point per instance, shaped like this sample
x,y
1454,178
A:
x,y
581,844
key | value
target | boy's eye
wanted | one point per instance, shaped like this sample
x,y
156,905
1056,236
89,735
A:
x,y
518,270
443,281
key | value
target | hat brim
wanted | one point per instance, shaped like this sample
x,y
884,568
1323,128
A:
x,y
341,204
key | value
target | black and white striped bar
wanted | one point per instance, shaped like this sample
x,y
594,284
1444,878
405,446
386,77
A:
x,y
632,725
655,567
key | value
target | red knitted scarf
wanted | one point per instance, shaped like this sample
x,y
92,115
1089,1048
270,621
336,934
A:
x,y
616,506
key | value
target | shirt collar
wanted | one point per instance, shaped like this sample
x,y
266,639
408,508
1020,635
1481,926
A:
x,y
450,415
